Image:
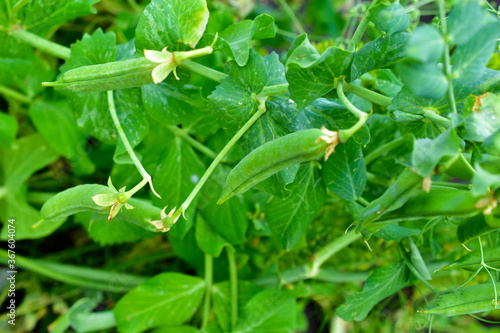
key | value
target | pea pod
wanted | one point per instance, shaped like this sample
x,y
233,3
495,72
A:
x,y
472,228
79,199
273,156
109,76
468,300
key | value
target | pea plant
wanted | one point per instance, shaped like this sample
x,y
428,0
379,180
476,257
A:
x,y
272,166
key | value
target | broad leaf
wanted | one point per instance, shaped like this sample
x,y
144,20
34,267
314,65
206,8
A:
x,y
383,282
484,120
389,17
425,45
208,240
424,80
289,218
166,299
8,130
465,20
177,25
345,171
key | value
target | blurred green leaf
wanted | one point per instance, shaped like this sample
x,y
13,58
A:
x,y
389,17
8,130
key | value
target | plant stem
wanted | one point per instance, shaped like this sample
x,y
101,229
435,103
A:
x,y
360,31
346,134
385,148
261,109
233,280
43,44
446,54
367,94
207,72
330,249
8,92
288,10
209,268
128,147
194,143
436,119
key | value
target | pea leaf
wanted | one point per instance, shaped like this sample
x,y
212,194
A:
x,y
470,59
208,240
40,16
465,20
176,329
345,171
175,177
270,311
389,18
383,282
222,300
187,249
484,120
235,39
57,124
383,52
425,45
228,221
427,153
8,130
288,219
474,299
177,25
310,80
485,179
167,298
424,80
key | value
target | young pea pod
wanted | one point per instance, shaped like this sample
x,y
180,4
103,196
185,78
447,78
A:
x,y
110,76
468,300
275,155
80,198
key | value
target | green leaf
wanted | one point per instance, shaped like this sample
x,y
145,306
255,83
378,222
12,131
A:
x,y
383,52
270,311
383,282
478,298
57,124
208,240
428,153
175,177
167,298
235,39
465,20
484,180
425,45
389,17
396,232
8,130
187,249
177,25
222,300
176,329
484,121
472,228
288,219
424,80
91,50
407,101
470,59
313,79
40,16
229,221
345,171
472,260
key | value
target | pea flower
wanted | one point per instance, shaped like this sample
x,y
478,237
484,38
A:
x,y
115,199
160,224
331,137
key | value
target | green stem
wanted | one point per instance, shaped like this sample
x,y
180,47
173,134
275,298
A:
x,y
289,12
42,44
261,109
330,249
360,31
436,119
209,269
8,92
233,280
50,270
194,143
128,147
369,95
447,64
385,148
207,72
346,134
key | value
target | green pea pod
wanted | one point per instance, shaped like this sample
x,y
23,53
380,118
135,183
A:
x,y
109,76
271,157
406,186
79,199
472,260
468,300
472,228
